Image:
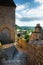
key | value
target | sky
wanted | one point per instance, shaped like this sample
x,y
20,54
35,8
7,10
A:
x,y
29,12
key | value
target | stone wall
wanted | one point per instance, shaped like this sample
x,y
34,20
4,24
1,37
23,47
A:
x,y
35,53
36,36
7,21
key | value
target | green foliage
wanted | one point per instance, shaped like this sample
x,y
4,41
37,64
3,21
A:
x,y
27,38
27,35
17,27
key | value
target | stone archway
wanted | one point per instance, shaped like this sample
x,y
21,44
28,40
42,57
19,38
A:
x,y
5,36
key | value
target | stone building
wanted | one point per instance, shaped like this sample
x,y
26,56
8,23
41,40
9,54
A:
x,y
37,34
7,21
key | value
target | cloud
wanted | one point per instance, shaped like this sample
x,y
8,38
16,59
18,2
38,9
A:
x,y
32,23
20,7
30,19
27,5
30,13
18,15
38,12
40,1
24,9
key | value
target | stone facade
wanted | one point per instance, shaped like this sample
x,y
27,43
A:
x,y
7,21
37,34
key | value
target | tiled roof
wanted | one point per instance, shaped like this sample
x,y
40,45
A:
x,y
7,3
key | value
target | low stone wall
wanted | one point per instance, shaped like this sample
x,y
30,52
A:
x,y
35,53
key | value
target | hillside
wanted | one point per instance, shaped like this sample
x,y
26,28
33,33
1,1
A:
x,y
27,27
24,27
18,27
